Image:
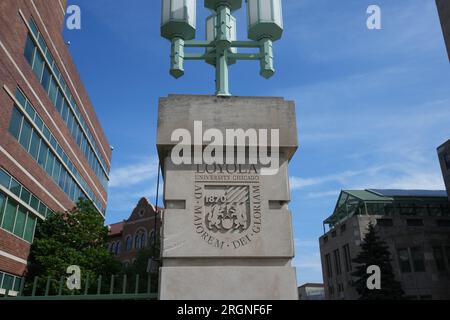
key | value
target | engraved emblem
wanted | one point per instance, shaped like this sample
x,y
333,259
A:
x,y
227,210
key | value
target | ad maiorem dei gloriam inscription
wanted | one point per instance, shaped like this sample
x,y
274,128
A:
x,y
227,210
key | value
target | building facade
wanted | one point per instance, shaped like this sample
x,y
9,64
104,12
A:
x,y
311,291
139,231
444,160
414,224
444,15
53,150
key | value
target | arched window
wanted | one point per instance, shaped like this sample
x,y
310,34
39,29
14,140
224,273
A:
x,y
151,238
139,239
129,243
117,251
143,239
113,247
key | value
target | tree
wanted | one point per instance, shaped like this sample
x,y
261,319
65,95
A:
x,y
374,251
77,237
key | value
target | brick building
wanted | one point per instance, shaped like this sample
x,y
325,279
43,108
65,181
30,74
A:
x,y
443,7
444,160
415,224
126,238
52,148
311,291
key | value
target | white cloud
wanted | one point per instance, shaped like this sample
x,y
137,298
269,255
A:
x,y
132,174
300,183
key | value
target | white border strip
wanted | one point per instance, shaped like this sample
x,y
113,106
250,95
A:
x,y
12,257
31,177
21,202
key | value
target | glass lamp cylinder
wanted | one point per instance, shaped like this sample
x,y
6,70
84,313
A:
x,y
178,19
265,19
211,35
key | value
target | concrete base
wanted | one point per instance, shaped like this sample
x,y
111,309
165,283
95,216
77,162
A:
x,y
228,283
226,230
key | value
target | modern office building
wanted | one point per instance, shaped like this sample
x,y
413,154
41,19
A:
x,y
52,148
126,238
311,291
415,224
444,160
444,15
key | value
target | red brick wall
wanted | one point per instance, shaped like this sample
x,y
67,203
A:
x,y
13,34
136,221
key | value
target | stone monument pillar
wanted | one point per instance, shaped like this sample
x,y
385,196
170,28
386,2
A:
x,y
226,228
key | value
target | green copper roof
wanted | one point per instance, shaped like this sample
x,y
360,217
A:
x,y
388,202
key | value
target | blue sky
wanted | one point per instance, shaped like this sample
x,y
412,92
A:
x,y
372,105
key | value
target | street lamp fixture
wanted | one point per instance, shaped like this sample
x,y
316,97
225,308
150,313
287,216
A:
x,y
265,25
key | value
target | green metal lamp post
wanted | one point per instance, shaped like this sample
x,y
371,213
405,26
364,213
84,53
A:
x,y
265,25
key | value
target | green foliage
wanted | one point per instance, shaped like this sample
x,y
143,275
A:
x,y
374,251
77,237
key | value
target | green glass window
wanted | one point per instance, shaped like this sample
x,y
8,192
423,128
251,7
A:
x,y
46,78
43,154
403,259
8,281
42,43
17,283
29,50
25,195
29,228
65,111
56,171
16,122
418,259
4,179
25,135
33,27
15,187
21,98
34,202
52,91
72,191
53,142
59,151
49,58
29,109
46,133
2,205
58,100
62,178
9,216
38,122
38,65
439,258
70,121
42,209
20,221
49,164
34,146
